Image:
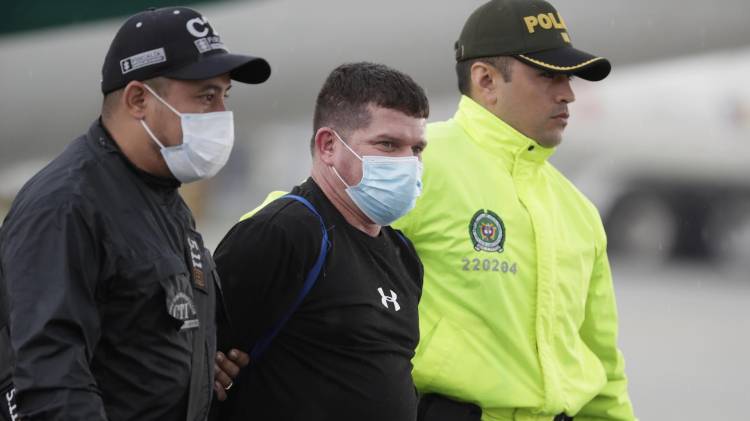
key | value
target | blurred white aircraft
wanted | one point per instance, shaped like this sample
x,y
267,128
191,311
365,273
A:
x,y
663,150
659,147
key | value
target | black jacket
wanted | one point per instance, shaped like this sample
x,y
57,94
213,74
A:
x,y
6,393
112,294
5,352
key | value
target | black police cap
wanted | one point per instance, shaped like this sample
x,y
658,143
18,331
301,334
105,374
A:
x,y
531,31
178,43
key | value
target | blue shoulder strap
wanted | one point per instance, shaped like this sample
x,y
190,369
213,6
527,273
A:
x,y
403,239
312,277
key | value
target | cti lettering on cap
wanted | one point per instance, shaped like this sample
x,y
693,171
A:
x,y
545,21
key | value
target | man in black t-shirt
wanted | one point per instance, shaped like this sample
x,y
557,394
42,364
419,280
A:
x,y
345,352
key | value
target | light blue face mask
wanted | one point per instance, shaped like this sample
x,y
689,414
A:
x,y
389,187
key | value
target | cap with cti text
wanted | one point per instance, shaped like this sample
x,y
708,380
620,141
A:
x,y
531,31
174,42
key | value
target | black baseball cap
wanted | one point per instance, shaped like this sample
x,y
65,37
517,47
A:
x,y
531,31
178,43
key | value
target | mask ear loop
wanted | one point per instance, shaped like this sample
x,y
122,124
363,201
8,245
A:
x,y
345,144
148,88
151,134
339,176
350,150
171,108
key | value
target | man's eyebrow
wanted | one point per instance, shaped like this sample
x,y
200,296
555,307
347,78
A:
x,y
385,137
213,86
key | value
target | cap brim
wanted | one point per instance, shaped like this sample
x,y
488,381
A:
x,y
241,68
569,60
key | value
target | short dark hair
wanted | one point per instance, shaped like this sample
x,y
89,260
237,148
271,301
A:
x,y
350,88
463,70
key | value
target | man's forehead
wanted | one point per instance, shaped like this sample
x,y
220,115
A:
x,y
386,112
220,82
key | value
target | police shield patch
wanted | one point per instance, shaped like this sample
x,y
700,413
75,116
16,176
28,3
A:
x,y
487,231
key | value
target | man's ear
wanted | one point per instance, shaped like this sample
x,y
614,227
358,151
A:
x,y
134,99
324,144
484,80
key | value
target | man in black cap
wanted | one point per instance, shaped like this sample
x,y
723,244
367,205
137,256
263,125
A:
x,y
518,318
112,294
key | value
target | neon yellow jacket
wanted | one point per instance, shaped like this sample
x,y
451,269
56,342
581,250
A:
x,y
518,311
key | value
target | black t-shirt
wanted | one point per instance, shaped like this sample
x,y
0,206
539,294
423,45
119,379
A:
x,y
346,352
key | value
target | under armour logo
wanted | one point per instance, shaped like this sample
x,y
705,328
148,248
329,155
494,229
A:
x,y
392,299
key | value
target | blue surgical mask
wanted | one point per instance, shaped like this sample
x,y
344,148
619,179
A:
x,y
389,187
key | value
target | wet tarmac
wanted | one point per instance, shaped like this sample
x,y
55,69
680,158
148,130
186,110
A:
x,y
685,333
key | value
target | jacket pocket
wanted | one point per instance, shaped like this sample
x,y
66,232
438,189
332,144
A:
x,y
463,360
180,301
138,300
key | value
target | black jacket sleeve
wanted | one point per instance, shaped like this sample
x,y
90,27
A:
x,y
50,261
7,399
5,350
262,263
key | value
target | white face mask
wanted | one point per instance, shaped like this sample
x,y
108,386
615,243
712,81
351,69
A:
x,y
207,140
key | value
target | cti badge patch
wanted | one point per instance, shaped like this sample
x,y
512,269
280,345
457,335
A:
x,y
487,231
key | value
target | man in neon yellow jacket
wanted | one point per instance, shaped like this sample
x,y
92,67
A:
x,y
518,313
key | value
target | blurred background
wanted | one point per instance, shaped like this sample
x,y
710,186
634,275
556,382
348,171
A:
x,y
661,146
